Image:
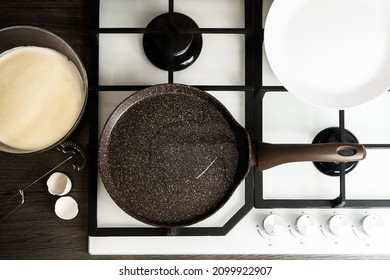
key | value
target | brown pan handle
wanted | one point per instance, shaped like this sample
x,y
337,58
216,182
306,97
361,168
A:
x,y
270,155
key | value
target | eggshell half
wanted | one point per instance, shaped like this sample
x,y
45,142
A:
x,y
66,208
59,184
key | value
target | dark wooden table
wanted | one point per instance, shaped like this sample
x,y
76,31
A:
x,y
34,231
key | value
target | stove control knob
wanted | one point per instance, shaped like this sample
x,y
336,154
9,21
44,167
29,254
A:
x,y
339,225
372,225
307,225
274,224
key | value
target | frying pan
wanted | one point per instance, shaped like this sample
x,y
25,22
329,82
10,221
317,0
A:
x,y
330,53
171,155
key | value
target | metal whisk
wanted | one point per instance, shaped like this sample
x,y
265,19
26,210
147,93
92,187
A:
x,y
76,151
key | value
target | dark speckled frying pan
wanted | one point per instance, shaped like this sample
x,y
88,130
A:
x,y
171,155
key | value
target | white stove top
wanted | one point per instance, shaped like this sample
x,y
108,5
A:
x,y
285,120
249,237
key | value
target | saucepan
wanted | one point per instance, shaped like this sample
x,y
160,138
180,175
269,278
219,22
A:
x,y
330,53
43,89
171,155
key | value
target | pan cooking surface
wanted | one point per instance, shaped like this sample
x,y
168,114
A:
x,y
170,159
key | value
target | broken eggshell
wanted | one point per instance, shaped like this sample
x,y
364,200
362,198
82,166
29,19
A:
x,y
59,184
66,208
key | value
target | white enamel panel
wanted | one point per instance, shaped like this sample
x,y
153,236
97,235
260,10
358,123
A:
x,y
221,62
134,13
122,61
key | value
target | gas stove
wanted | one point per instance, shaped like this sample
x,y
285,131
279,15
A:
x,y
296,208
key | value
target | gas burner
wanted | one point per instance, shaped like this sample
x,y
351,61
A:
x,y
184,47
329,135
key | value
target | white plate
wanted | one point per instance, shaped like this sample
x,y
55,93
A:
x,y
330,53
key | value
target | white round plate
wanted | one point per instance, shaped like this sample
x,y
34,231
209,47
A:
x,y
330,53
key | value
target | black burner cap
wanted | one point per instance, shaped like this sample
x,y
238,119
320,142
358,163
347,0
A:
x,y
332,135
169,40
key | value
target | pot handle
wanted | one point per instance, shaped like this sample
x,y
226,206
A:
x,y
270,155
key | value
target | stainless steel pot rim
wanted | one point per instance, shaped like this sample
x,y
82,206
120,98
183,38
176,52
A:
x,y
83,75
